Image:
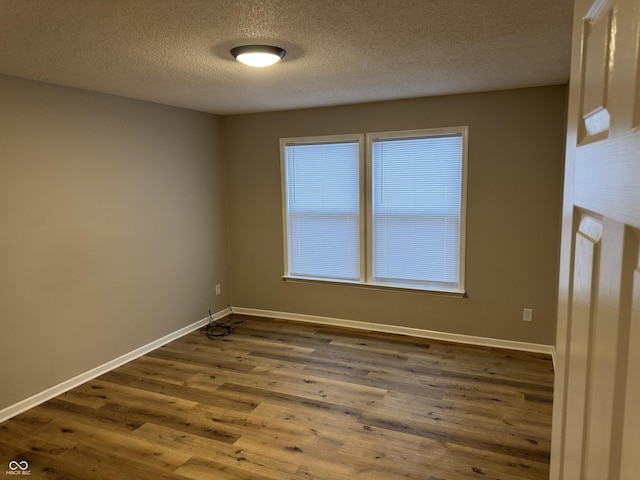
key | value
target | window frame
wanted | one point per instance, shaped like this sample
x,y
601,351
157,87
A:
x,y
319,140
461,131
365,145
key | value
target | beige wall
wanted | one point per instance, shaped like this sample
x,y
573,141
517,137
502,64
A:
x,y
112,229
514,199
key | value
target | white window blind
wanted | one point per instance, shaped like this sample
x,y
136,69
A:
x,y
322,205
416,210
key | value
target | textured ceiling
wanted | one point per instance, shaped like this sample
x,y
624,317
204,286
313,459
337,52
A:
x,y
176,52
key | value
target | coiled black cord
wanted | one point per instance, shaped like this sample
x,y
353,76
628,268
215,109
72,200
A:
x,y
215,329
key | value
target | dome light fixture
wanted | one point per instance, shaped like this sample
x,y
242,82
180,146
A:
x,y
258,55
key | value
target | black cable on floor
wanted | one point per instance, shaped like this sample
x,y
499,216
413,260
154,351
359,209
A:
x,y
215,329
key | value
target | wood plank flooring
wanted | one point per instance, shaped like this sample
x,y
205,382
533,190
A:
x,y
285,400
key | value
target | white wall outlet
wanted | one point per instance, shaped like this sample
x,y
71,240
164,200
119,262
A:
x,y
218,289
527,314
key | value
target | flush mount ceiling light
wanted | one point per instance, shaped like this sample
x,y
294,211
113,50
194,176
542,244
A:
x,y
258,55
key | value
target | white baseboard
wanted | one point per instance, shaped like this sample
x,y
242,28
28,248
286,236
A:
x,y
414,332
37,399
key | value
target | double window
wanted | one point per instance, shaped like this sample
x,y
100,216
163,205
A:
x,y
381,208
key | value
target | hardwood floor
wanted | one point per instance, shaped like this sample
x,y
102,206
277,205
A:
x,y
285,400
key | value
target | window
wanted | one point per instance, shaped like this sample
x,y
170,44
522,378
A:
x,y
323,208
396,218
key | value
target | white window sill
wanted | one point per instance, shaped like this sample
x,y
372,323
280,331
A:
x,y
378,286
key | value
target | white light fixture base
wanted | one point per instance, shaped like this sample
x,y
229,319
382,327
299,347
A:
x,y
258,55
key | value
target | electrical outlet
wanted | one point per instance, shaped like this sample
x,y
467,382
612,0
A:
x,y
527,315
218,289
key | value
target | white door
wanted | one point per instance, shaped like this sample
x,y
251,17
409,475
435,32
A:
x,y
596,424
